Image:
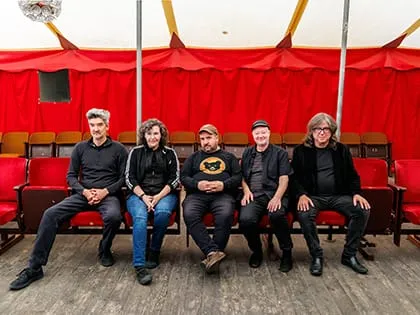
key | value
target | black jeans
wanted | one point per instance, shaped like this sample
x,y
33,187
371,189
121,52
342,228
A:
x,y
221,205
53,217
250,217
356,216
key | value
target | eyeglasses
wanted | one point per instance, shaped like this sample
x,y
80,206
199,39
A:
x,y
325,129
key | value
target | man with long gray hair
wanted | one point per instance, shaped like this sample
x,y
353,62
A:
x,y
96,174
325,178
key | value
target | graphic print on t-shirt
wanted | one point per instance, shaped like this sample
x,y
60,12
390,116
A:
x,y
212,165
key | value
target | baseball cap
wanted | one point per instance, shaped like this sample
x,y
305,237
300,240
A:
x,y
209,128
260,123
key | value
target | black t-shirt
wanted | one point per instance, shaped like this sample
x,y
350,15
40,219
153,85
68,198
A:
x,y
325,172
256,181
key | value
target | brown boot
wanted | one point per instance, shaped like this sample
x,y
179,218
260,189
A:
x,y
213,261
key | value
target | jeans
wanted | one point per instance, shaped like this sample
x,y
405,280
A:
x,y
221,205
138,210
357,217
250,217
54,216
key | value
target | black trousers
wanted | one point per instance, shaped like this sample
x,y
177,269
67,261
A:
x,y
250,217
53,217
221,205
356,216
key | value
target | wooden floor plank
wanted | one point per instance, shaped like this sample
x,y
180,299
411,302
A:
x,y
75,283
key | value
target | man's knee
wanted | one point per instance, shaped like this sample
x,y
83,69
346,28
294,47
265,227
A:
x,y
307,216
278,215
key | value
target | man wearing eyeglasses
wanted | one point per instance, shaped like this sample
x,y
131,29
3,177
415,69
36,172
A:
x,y
325,178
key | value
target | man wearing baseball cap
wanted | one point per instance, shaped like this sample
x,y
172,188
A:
x,y
265,171
211,177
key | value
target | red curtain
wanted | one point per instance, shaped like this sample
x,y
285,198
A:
x,y
186,88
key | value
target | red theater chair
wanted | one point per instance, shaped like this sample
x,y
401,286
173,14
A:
x,y
13,176
407,180
47,185
380,195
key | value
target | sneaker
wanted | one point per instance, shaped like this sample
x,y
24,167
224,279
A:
x,y
213,261
286,263
203,264
153,260
255,260
26,277
143,276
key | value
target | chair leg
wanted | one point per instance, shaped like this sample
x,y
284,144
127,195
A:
x,y
415,239
268,242
364,243
8,240
330,233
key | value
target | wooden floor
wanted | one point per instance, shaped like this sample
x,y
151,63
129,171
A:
x,y
75,283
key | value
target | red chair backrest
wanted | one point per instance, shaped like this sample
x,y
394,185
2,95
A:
x,y
407,174
13,173
48,171
372,172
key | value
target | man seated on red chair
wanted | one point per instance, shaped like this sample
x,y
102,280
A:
x,y
100,162
211,177
265,170
325,178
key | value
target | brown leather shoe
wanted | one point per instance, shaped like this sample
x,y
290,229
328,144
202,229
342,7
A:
x,y
213,261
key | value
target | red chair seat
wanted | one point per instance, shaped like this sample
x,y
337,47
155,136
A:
x,y
8,211
412,212
87,218
208,219
328,217
129,219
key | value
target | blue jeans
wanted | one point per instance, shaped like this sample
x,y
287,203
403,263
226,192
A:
x,y
138,210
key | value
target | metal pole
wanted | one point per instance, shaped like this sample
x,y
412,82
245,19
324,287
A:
x,y
342,66
139,67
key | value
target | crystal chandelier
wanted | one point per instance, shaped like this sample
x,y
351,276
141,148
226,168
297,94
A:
x,y
41,11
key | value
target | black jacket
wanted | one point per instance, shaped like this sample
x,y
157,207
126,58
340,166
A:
x,y
140,156
304,163
275,164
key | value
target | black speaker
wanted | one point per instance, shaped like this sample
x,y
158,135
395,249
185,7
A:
x,y
54,86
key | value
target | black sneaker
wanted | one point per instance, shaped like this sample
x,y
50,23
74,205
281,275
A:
x,y
286,263
255,260
153,260
143,276
26,277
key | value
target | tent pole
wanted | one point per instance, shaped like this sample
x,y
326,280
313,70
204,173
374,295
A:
x,y
139,67
342,66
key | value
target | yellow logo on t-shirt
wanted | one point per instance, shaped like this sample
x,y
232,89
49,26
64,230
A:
x,y
212,165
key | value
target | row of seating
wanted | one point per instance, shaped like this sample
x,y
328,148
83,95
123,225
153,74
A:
x,y
48,144
28,188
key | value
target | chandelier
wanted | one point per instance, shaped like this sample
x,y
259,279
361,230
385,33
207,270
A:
x,y
41,11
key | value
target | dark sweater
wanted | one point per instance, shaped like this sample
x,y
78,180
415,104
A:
x,y
304,179
217,166
98,167
140,161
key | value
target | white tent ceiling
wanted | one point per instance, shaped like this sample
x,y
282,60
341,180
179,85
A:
x,y
215,23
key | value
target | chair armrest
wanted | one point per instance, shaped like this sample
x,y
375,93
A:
x,y
397,187
18,188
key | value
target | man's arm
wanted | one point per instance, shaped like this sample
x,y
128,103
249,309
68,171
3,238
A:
x,y
275,202
74,170
187,180
297,166
235,179
121,161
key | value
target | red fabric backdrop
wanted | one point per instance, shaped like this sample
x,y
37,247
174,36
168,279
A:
x,y
230,88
